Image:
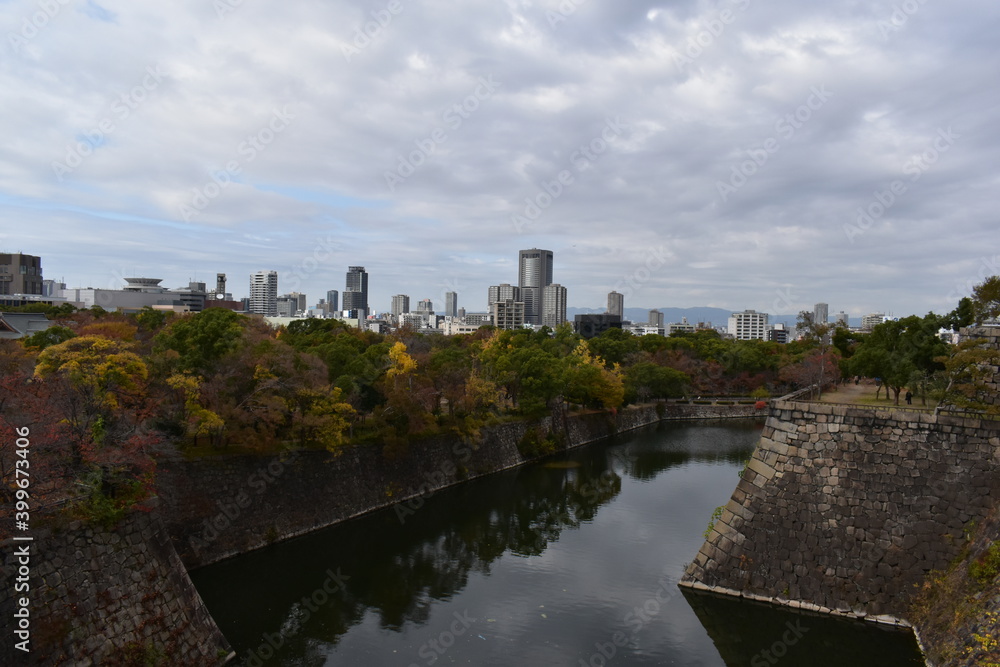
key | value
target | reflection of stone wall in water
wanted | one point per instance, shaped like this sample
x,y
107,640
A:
x,y
756,634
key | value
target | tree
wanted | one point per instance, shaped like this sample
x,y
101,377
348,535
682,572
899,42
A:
x,y
46,337
986,300
646,380
894,350
198,342
971,379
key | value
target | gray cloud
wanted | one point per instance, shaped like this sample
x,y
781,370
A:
x,y
700,88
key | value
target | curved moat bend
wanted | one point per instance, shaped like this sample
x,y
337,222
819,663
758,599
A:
x,y
572,561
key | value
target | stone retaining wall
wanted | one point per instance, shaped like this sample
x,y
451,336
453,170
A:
x,y
847,509
107,597
216,508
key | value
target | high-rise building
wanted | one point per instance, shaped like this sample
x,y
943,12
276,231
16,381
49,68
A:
x,y
504,292
508,314
553,305
656,319
20,274
451,304
821,313
534,274
356,293
748,325
400,305
616,304
425,306
842,320
264,293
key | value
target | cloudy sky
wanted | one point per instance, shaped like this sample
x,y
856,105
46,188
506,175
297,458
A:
x,y
737,154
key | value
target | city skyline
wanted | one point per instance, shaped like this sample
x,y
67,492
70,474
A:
x,y
733,155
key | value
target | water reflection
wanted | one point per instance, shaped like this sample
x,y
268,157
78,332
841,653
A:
x,y
395,568
757,634
548,559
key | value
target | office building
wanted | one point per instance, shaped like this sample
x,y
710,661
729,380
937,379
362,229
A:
x,y
503,292
20,274
616,304
841,320
333,300
590,325
553,305
871,320
534,274
656,319
680,327
356,293
425,307
451,304
821,313
400,305
778,333
748,325
264,293
508,314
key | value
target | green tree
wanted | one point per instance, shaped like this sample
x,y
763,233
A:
x,y
986,300
46,337
646,380
200,341
895,350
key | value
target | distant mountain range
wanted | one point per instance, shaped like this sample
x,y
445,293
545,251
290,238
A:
x,y
719,317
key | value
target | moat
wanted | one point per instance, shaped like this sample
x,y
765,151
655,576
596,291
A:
x,y
573,561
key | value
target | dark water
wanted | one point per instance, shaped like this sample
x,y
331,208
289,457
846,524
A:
x,y
572,562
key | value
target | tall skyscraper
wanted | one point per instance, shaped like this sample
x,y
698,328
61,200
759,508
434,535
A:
x,y
655,318
553,305
425,306
20,274
451,304
356,292
333,300
264,293
821,313
534,274
400,305
616,304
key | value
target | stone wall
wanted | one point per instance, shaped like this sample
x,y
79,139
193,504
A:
x,y
216,508
847,509
107,597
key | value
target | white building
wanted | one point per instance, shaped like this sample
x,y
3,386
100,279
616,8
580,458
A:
x,y
748,325
264,293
